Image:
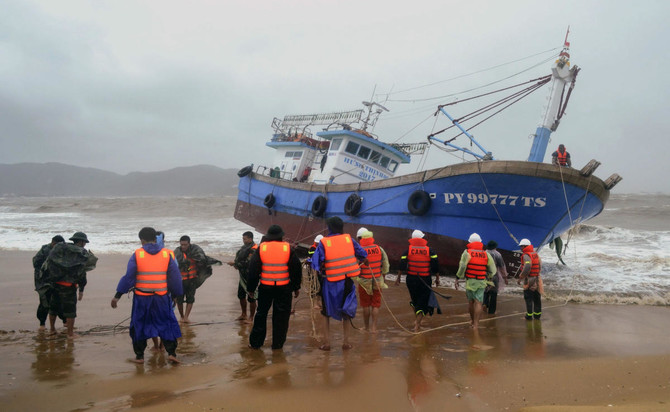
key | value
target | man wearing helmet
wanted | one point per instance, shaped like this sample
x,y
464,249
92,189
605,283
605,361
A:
x,y
477,266
533,289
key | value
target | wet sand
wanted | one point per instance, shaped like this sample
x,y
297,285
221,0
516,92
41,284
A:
x,y
579,357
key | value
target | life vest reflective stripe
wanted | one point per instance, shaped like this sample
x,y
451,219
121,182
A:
x,y
374,267
151,275
534,260
340,260
562,157
312,249
274,263
418,257
192,271
476,268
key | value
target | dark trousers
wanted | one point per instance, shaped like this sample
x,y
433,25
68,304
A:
x,y
491,300
533,304
140,345
42,314
279,298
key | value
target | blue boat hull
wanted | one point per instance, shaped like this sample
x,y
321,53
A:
x,y
503,201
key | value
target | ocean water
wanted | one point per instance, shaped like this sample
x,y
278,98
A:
x,y
620,257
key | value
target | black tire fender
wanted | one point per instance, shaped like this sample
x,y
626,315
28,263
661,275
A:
x,y
419,203
269,200
353,205
319,206
244,171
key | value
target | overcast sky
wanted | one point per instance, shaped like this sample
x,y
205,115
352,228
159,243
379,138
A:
x,y
151,85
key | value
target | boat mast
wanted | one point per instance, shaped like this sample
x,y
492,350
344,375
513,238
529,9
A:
x,y
561,75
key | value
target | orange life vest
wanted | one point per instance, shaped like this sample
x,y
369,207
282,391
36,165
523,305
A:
x,y
476,268
62,283
534,260
274,263
562,157
374,266
192,271
151,275
340,260
418,257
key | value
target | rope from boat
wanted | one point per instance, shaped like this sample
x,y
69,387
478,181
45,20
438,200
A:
x,y
481,176
474,88
554,55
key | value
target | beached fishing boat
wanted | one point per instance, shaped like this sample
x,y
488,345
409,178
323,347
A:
x,y
343,170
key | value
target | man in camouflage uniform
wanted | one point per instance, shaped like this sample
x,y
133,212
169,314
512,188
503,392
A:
x,y
195,267
241,263
44,291
66,266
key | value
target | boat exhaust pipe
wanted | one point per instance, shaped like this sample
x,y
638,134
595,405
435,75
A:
x,y
589,168
612,181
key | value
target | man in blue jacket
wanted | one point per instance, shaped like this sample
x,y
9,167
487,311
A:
x,y
153,275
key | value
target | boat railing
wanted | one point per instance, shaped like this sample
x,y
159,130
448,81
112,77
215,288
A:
x,y
305,138
273,172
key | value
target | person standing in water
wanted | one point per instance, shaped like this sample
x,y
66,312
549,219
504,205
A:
x,y
419,262
241,263
154,275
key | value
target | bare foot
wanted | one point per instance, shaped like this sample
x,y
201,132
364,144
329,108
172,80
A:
x,y
156,350
73,336
185,320
42,328
346,346
374,330
248,322
324,347
173,359
138,361
241,317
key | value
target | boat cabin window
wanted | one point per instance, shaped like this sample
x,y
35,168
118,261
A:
x,y
384,162
364,152
352,148
335,145
375,157
294,155
393,166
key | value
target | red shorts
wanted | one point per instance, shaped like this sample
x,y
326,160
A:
x,y
374,300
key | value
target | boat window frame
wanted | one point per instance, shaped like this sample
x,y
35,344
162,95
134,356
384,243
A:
x,y
363,148
393,166
384,164
379,157
335,145
354,151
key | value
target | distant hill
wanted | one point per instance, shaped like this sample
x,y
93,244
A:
x,y
57,179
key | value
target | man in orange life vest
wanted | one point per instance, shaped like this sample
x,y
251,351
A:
x,y
190,258
371,280
278,270
561,157
532,281
154,275
241,263
336,258
419,261
478,267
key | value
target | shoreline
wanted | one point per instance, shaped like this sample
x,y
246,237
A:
x,y
579,355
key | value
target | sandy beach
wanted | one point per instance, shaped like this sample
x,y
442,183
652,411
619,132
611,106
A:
x,y
579,357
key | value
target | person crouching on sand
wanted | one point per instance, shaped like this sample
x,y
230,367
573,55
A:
x,y
154,274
